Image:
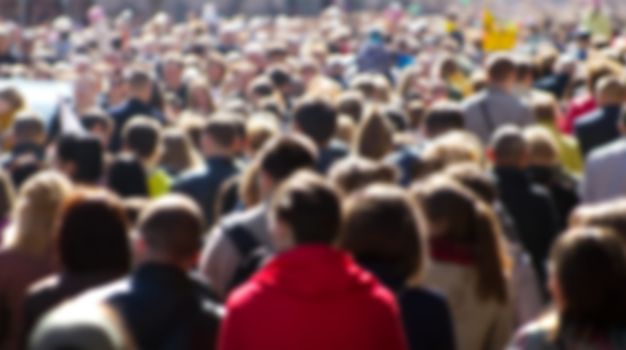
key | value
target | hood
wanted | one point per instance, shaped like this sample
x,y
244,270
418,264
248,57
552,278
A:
x,y
315,272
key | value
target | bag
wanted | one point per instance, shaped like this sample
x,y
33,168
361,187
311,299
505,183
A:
x,y
253,254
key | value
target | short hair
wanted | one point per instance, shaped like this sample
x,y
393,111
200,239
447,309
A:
x,y
355,173
127,177
351,103
508,145
611,89
524,67
500,67
142,136
382,226
545,109
87,155
172,225
97,118
92,234
542,147
443,117
311,207
317,119
222,129
138,78
285,155
279,76
13,97
29,127
609,215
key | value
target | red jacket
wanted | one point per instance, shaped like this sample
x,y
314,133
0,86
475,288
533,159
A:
x,y
312,298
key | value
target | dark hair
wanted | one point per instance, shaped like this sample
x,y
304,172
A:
x,y
590,268
311,207
279,76
172,225
397,118
317,119
466,221
500,67
381,227
138,78
142,136
92,234
442,118
283,156
28,127
97,118
351,104
127,177
87,155
223,130
472,177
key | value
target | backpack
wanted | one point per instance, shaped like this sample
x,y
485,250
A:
x,y
253,254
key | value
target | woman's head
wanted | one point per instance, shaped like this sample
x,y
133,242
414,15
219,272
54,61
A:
x,y
354,173
457,218
38,203
92,234
200,98
374,136
382,227
179,153
588,279
11,101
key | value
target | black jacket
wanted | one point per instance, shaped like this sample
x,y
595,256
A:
x,y
124,112
425,314
533,211
164,308
597,128
204,186
329,155
562,186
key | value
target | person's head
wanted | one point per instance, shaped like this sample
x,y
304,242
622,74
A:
x,y
588,280
451,148
610,91
457,217
179,154
81,158
28,128
508,147
38,203
281,157
352,104
542,147
501,71
259,130
352,174
374,136
316,119
441,118
220,136
545,110
416,112
127,177
92,234
7,195
609,215
170,231
142,137
305,210
11,101
173,67
381,227
99,125
199,97
524,72
140,84
475,179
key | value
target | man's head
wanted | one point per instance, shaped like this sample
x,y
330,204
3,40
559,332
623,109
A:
x,y
524,72
142,136
501,71
140,84
316,119
508,147
170,230
305,210
28,128
173,70
610,91
441,118
283,156
220,136
98,124
81,158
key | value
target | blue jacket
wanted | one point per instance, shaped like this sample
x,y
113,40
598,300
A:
x,y
597,128
124,112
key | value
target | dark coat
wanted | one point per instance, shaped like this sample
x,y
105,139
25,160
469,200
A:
x,y
329,155
563,188
124,112
204,186
533,210
597,128
164,308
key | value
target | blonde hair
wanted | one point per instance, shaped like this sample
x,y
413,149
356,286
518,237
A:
x,y
542,148
452,148
35,213
260,128
179,153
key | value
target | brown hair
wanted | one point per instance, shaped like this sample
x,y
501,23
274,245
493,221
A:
x,y
500,67
354,173
542,148
610,215
179,154
143,136
458,216
381,226
374,136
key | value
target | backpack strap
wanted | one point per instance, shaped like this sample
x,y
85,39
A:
x,y
242,238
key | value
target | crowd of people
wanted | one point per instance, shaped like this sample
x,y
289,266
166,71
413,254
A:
x,y
375,180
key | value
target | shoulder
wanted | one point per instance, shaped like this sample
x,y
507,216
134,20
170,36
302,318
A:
x,y
535,336
587,120
615,148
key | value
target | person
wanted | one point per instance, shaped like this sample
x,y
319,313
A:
x,y
80,158
235,239
374,136
587,281
530,205
126,177
470,266
98,124
600,126
311,295
218,146
317,119
354,173
384,234
179,155
161,304
11,103
27,247
93,247
495,106
142,138
545,169
604,169
140,92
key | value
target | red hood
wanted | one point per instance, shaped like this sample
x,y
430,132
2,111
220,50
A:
x,y
315,272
